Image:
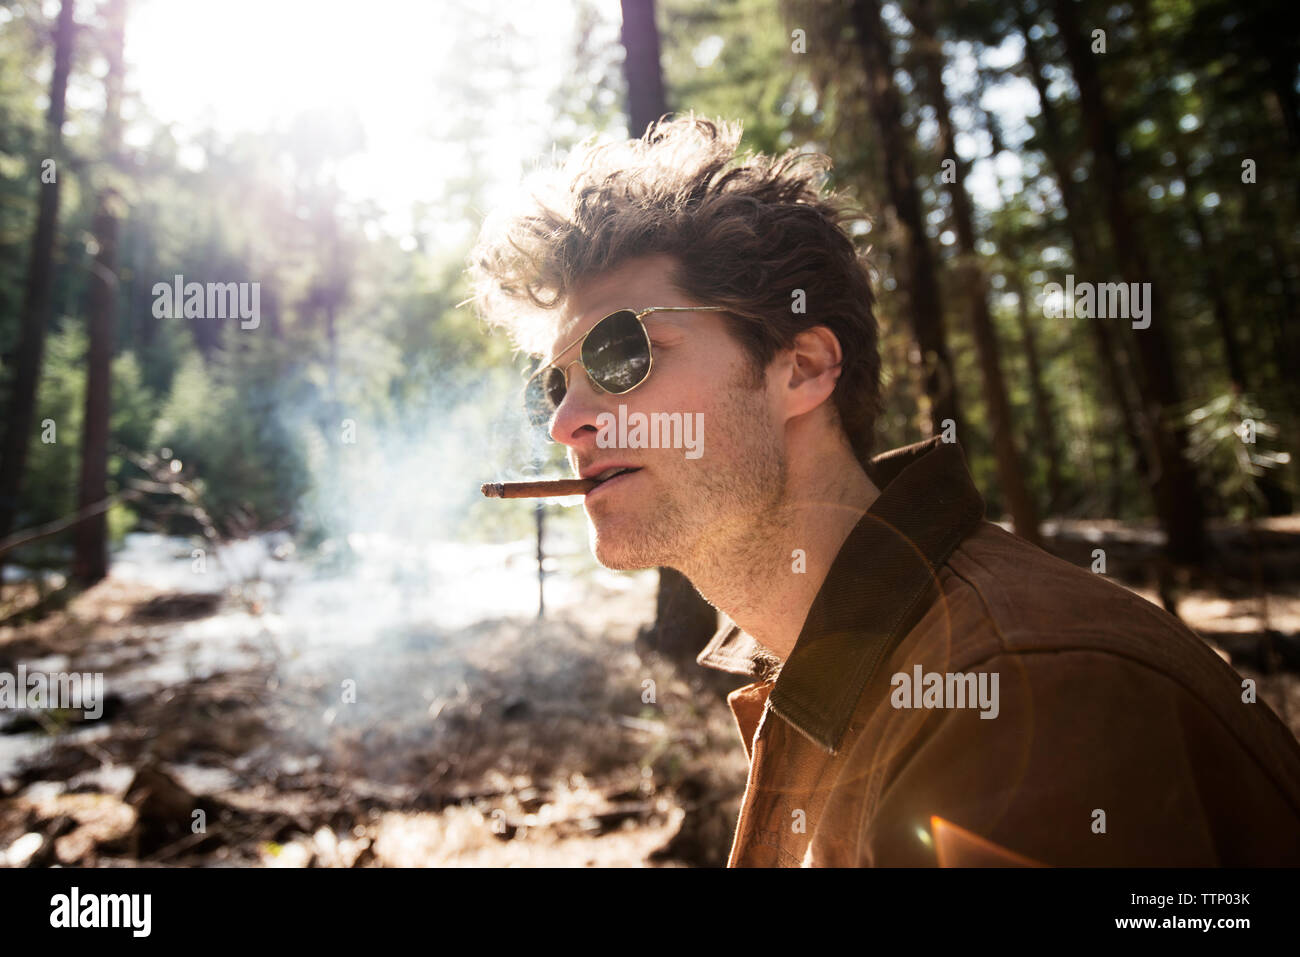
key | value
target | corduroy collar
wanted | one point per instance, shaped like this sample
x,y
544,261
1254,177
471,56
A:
x,y
873,594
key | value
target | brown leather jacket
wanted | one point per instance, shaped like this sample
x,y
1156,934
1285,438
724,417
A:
x,y
958,696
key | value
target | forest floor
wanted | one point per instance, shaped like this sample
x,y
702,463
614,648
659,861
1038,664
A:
x,y
505,742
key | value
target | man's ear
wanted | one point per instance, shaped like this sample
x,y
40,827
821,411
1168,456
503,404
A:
x,y
814,361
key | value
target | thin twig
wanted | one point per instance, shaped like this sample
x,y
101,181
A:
x,y
24,536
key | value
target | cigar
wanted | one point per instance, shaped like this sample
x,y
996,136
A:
x,y
538,489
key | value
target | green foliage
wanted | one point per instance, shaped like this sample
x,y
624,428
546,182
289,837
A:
x,y
360,323
1234,441
50,490
220,425
134,405
121,520
21,135
733,59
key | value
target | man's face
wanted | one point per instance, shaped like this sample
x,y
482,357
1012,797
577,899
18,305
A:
x,y
675,509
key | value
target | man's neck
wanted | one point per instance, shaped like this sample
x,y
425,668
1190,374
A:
x,y
766,575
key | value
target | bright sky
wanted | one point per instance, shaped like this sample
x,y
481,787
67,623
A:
x,y
241,65
245,64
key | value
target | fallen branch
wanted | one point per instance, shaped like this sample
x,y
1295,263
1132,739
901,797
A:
x,y
28,535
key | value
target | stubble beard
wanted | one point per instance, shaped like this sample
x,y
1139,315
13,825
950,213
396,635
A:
x,y
715,507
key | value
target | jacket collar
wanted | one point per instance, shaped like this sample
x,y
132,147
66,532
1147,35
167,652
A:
x,y
873,594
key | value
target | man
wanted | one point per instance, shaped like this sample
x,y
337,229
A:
x,y
929,689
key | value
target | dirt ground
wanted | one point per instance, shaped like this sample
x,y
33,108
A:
x,y
505,742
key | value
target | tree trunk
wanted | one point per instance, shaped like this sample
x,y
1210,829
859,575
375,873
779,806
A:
x,y
684,622
35,316
1178,500
90,559
1086,255
1011,472
1214,282
646,101
904,199
1049,443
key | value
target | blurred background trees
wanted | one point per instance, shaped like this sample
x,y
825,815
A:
x,y
996,147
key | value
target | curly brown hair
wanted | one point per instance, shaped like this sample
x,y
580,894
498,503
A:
x,y
746,233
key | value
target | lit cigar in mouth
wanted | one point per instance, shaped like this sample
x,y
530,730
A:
x,y
538,489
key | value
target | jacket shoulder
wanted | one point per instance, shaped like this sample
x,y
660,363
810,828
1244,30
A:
x,y
1005,600
1013,598
1038,600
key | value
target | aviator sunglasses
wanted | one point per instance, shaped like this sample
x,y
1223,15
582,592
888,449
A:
x,y
616,354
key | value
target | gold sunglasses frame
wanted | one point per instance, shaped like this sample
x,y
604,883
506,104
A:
x,y
580,341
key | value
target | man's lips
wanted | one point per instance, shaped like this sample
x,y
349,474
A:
x,y
606,469
619,479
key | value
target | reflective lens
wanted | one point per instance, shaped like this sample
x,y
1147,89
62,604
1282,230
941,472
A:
x,y
616,355
543,396
617,352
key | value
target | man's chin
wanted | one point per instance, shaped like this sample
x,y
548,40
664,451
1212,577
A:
x,y
624,549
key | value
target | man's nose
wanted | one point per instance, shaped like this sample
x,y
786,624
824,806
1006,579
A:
x,y
577,412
